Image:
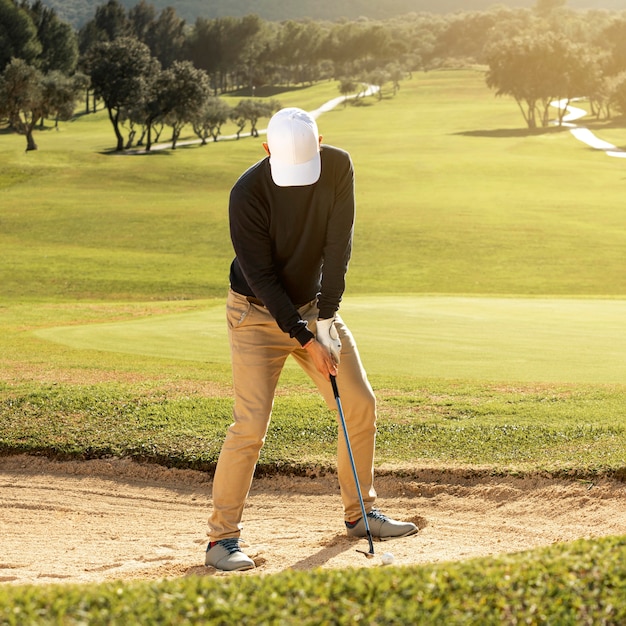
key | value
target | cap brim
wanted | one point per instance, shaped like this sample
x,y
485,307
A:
x,y
290,175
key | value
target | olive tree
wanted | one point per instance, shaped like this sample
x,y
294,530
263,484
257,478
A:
x,y
186,89
210,118
22,99
617,85
60,94
251,111
536,69
121,72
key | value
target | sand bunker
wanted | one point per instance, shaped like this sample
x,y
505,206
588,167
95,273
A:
x,y
101,520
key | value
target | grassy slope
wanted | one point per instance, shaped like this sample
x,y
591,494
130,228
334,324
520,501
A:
x,y
467,203
86,233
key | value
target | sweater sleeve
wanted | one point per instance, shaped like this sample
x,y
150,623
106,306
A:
x,y
338,247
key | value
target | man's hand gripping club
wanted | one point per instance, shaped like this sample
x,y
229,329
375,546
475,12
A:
x,y
327,349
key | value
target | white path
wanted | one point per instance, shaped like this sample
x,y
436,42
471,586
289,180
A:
x,y
584,134
370,90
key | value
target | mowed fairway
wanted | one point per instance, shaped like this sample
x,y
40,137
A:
x,y
454,197
491,233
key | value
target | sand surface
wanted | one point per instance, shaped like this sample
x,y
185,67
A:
x,y
102,520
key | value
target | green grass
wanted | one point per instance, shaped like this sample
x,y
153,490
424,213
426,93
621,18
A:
x,y
511,279
524,340
487,293
559,430
467,202
580,583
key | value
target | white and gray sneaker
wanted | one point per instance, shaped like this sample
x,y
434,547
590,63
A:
x,y
227,556
381,527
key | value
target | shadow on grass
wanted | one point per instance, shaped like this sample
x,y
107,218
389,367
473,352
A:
x,y
266,91
361,102
513,132
136,152
615,122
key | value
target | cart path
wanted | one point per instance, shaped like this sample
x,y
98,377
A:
x,y
584,134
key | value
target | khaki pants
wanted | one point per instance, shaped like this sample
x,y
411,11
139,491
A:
x,y
259,350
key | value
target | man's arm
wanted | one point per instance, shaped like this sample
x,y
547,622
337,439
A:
x,y
338,248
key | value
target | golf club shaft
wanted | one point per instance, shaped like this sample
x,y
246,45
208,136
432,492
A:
x,y
342,419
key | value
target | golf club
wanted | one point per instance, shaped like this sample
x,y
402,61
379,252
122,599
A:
x,y
369,554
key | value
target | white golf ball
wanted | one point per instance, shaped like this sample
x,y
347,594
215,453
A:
x,y
387,558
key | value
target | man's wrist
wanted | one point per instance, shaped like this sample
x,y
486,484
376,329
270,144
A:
x,y
303,334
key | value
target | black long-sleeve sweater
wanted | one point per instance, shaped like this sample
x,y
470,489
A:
x,y
293,244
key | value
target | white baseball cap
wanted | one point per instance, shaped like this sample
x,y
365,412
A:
x,y
294,146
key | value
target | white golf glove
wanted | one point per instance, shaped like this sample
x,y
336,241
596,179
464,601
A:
x,y
328,337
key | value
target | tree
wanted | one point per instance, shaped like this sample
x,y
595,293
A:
x,y
60,93
18,34
251,111
165,37
613,39
187,90
396,74
140,18
346,87
83,84
618,92
150,109
210,119
297,50
22,99
378,78
586,77
121,71
463,36
535,70
109,23
111,20
222,47
359,48
339,46
59,46
546,7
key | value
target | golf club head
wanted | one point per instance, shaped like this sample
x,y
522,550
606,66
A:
x,y
369,555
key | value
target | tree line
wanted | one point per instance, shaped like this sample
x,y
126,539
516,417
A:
x,y
151,69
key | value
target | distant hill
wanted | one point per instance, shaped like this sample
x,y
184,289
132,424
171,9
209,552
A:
x,y
77,12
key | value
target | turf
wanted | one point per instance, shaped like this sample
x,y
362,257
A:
x,y
492,339
467,202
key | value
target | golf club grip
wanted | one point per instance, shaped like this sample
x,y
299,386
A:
x,y
333,382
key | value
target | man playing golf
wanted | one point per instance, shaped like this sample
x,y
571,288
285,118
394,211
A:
x,y
291,224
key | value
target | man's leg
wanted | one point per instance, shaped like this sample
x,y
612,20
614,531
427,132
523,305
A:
x,y
258,350
359,406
